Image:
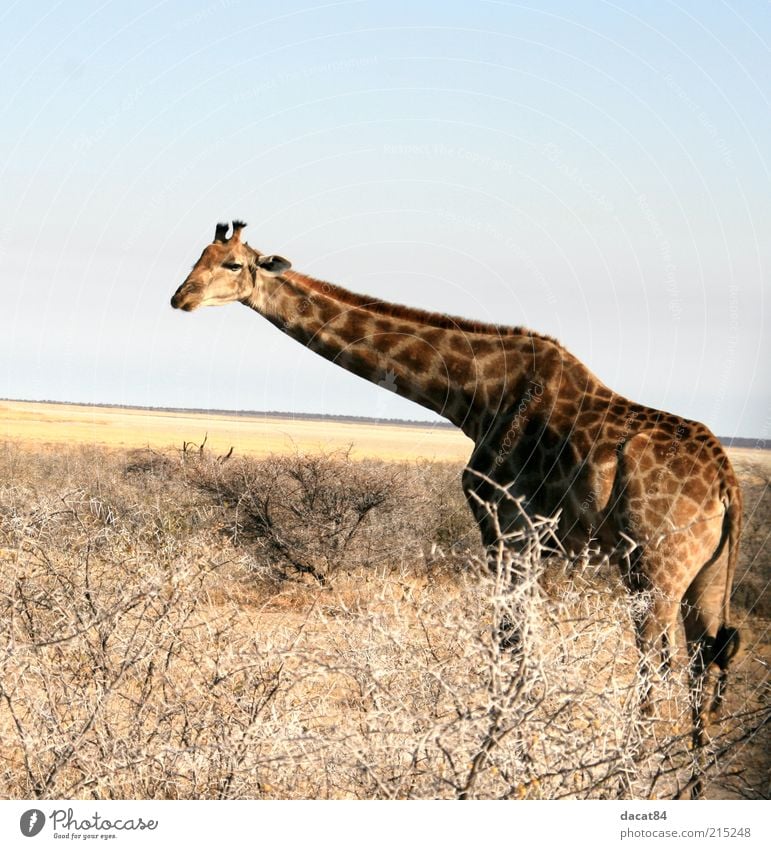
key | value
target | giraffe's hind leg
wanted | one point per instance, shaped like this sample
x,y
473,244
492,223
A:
x,y
654,634
699,650
709,642
667,650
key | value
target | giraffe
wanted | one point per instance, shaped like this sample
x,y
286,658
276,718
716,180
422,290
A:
x,y
655,491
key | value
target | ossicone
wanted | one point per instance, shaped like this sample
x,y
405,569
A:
x,y
221,231
238,226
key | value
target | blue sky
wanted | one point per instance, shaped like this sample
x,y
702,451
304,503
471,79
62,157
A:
x,y
595,171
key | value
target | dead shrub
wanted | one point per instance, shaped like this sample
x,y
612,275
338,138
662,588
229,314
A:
x,y
139,659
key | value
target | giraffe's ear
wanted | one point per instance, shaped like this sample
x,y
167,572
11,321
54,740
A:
x,y
273,265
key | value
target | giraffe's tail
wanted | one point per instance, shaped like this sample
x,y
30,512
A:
x,y
727,638
734,519
726,642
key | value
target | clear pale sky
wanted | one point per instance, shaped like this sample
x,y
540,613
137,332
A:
x,y
595,171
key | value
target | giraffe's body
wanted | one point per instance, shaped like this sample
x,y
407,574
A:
x,y
655,491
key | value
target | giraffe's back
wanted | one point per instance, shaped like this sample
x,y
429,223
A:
x,y
612,468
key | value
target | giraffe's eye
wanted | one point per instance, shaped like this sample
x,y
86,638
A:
x,y
233,266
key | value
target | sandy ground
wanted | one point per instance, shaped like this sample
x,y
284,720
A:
x,y
253,435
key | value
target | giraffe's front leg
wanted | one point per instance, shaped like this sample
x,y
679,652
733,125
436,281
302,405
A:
x,y
504,526
506,613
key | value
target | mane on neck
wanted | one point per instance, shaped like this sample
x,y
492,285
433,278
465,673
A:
x,y
425,317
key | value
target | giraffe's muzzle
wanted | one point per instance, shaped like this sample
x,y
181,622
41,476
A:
x,y
185,299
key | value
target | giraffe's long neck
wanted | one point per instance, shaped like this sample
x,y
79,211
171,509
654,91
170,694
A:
x,y
454,372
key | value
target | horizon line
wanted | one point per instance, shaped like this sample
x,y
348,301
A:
x,y
761,443
283,414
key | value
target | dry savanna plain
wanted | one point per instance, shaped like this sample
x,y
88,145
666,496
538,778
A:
x,y
309,616
250,435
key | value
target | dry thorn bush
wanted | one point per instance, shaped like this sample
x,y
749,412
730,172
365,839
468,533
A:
x,y
176,627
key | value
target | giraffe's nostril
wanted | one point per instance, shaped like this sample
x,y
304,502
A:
x,y
183,299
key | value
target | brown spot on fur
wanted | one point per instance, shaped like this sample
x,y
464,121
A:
x,y
434,336
484,347
458,343
414,355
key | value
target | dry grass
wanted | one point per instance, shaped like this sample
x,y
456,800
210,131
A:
x,y
317,627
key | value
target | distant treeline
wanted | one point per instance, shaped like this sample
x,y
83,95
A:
x,y
729,441
745,442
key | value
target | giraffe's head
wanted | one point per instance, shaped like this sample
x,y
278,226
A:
x,y
228,270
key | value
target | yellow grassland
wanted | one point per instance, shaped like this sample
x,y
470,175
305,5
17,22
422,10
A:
x,y
255,436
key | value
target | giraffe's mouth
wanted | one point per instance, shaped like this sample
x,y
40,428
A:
x,y
185,301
